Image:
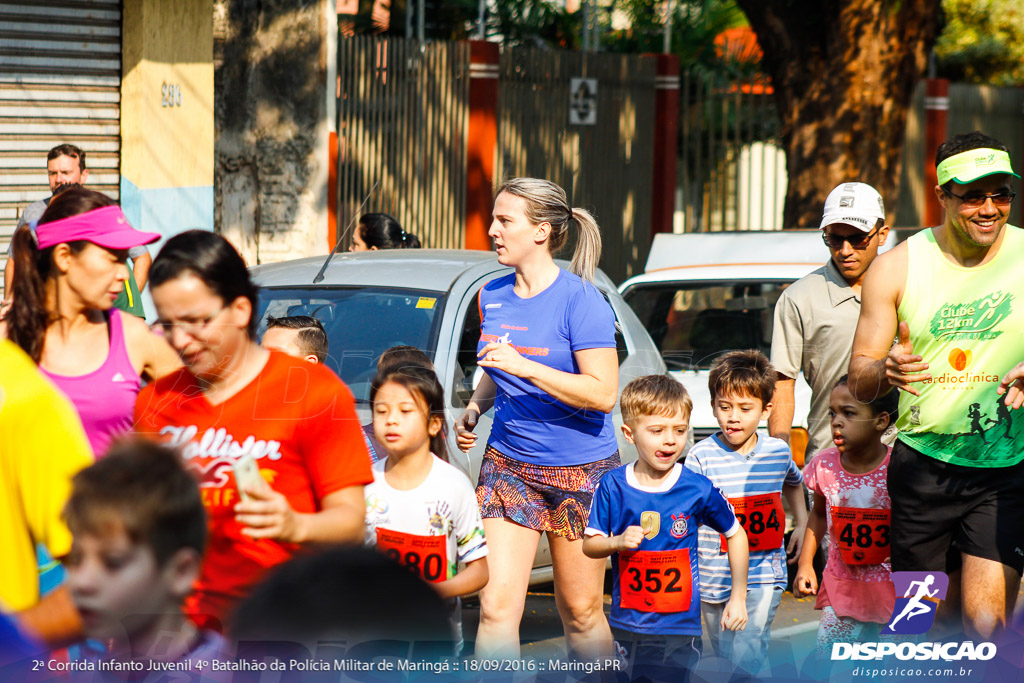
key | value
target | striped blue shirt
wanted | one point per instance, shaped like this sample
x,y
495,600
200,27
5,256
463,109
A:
x,y
764,470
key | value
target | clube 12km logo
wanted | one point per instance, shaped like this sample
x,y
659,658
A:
x,y
917,598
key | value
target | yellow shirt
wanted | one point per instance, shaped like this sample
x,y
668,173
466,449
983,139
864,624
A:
x,y
42,445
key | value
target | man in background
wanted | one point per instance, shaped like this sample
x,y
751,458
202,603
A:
x,y
65,167
816,317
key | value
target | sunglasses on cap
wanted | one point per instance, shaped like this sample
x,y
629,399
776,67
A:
x,y
859,241
976,200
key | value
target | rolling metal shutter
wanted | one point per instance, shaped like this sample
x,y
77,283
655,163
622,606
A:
x,y
60,81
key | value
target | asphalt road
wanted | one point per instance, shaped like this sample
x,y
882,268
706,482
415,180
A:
x,y
793,631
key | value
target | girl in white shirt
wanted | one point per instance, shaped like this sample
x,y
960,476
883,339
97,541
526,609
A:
x,y
420,510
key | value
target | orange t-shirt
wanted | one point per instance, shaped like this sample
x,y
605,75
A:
x,y
296,419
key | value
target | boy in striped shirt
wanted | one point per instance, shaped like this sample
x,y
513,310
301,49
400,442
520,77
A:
x,y
755,472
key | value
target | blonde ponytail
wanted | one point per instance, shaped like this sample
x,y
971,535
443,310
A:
x,y
588,245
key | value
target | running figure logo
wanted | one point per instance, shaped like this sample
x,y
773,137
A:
x,y
921,592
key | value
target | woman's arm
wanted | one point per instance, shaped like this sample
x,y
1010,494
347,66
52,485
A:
x,y
483,399
148,351
595,387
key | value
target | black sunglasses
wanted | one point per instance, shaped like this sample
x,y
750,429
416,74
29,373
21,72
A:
x,y
973,201
856,241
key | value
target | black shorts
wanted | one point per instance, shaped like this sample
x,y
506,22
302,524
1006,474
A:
x,y
652,658
940,510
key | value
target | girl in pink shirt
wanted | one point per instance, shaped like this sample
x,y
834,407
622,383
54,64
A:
x,y
856,595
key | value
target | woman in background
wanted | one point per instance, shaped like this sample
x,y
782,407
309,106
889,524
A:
x,y
381,231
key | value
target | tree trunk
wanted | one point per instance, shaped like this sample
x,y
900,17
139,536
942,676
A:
x,y
843,74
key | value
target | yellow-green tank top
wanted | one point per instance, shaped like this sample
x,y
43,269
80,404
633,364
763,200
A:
x,y
968,325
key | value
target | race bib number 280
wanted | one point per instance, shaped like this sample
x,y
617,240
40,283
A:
x,y
427,556
655,581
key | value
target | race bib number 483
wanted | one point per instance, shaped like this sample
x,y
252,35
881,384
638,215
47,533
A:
x,y
427,556
655,581
862,534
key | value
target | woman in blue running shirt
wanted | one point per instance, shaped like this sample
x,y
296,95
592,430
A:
x,y
547,344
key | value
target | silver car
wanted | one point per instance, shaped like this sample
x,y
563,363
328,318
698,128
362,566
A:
x,y
427,298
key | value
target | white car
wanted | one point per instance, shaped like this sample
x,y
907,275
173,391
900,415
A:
x,y
702,294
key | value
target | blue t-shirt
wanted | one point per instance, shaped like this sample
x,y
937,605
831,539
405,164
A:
x,y
762,471
529,424
671,514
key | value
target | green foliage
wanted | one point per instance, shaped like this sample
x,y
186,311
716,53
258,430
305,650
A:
x,y
626,26
533,23
982,42
695,25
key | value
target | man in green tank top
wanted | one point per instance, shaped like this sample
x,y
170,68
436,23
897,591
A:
x,y
953,297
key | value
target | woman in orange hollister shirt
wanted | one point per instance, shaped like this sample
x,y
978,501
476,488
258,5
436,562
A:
x,y
235,399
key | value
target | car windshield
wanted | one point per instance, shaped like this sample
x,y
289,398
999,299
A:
x,y
694,323
361,322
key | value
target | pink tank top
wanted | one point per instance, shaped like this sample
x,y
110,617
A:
x,y
104,398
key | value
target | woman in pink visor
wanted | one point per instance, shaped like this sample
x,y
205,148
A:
x,y
61,312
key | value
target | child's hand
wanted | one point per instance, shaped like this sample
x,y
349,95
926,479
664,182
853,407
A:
x,y
806,582
796,543
734,617
630,538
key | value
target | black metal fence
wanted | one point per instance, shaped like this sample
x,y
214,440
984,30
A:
x,y
732,171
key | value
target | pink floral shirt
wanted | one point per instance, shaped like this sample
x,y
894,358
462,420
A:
x,y
862,592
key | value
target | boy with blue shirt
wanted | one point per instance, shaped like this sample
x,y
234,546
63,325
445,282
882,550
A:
x,y
646,515
755,473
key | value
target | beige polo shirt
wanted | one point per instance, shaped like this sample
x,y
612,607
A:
x,y
815,320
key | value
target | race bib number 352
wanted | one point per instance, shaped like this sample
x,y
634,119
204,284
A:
x,y
427,556
655,581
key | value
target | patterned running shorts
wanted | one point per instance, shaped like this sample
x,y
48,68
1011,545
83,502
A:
x,y
541,497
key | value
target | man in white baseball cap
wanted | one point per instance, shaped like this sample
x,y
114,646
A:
x,y
816,317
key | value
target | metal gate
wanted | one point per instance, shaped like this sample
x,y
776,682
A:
x,y
403,113
732,171
60,81
607,167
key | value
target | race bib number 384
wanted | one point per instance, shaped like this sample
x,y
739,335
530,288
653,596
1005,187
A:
x,y
655,581
427,556
763,518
